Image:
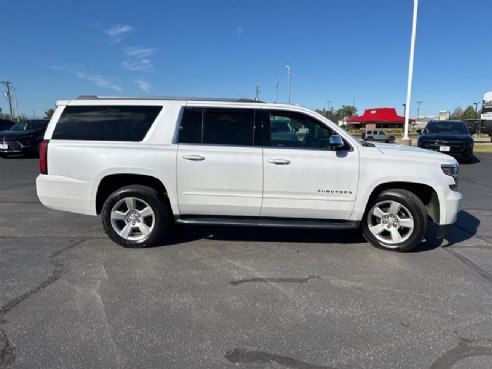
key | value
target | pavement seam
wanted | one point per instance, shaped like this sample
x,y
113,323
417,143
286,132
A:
x,y
483,273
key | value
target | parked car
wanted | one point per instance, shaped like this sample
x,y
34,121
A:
x,y
145,163
377,135
5,124
23,138
447,136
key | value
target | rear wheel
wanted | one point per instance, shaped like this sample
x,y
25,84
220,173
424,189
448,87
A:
x,y
395,220
136,216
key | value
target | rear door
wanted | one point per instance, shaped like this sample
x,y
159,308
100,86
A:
x,y
304,177
219,163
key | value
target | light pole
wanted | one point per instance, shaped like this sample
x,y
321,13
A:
x,y
278,81
288,80
476,108
405,138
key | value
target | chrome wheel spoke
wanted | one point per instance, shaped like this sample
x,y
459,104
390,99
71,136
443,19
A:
x,y
144,229
377,229
406,223
125,232
117,215
377,212
395,235
395,207
147,212
130,203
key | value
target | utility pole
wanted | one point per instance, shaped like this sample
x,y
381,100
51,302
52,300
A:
x,y
288,74
418,108
9,97
278,81
257,92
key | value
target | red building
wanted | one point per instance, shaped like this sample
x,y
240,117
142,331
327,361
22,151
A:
x,y
377,118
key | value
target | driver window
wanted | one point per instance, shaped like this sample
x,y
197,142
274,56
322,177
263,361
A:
x,y
294,130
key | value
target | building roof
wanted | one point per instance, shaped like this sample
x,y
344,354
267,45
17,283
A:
x,y
378,115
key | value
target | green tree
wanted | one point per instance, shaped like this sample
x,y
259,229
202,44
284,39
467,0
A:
x,y
49,113
457,113
469,113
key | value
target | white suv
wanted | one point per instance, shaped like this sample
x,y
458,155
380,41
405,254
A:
x,y
144,163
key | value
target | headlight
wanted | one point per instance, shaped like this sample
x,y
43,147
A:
x,y
451,170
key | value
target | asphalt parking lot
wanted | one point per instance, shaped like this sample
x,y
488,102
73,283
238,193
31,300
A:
x,y
239,297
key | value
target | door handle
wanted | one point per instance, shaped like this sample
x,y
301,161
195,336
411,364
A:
x,y
279,161
194,157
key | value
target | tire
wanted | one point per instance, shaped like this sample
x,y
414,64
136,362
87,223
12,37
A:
x,y
391,139
136,216
369,139
395,220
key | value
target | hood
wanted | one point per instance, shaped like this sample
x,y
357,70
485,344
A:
x,y
414,152
445,137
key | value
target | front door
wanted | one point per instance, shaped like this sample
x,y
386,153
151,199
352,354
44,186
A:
x,y
303,176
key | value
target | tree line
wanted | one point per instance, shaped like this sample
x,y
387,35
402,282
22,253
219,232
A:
x,y
468,113
336,115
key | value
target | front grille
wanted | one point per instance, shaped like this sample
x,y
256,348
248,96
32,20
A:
x,y
12,145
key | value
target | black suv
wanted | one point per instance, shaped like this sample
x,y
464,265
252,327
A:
x,y
449,137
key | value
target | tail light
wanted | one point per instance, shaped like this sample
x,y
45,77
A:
x,y
43,157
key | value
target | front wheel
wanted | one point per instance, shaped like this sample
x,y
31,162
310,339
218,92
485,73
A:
x,y
395,220
135,216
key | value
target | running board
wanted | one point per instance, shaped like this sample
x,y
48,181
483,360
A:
x,y
268,222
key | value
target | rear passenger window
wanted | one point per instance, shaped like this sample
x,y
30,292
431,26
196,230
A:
x,y
105,123
233,127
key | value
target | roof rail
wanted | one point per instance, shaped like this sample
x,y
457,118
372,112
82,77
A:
x,y
93,97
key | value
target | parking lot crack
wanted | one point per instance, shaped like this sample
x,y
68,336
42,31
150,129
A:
x,y
483,273
7,351
465,349
276,280
238,356
58,271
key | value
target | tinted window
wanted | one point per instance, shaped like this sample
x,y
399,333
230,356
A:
x,y
105,123
294,130
233,127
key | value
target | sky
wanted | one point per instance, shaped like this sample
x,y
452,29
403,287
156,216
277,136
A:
x,y
340,52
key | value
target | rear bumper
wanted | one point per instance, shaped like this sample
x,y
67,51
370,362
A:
x,y
66,194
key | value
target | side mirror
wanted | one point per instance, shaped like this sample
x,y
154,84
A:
x,y
419,131
336,142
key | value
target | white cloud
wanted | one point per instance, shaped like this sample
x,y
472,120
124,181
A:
x,y
143,85
99,80
140,52
141,65
138,59
119,30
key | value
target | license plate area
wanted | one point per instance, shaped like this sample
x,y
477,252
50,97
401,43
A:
x,y
4,147
444,148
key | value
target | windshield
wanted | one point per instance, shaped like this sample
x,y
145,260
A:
x,y
446,128
29,126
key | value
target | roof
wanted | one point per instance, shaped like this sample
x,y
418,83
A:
x,y
378,115
167,98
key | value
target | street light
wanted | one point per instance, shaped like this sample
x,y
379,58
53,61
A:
x,y
476,108
410,70
288,83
